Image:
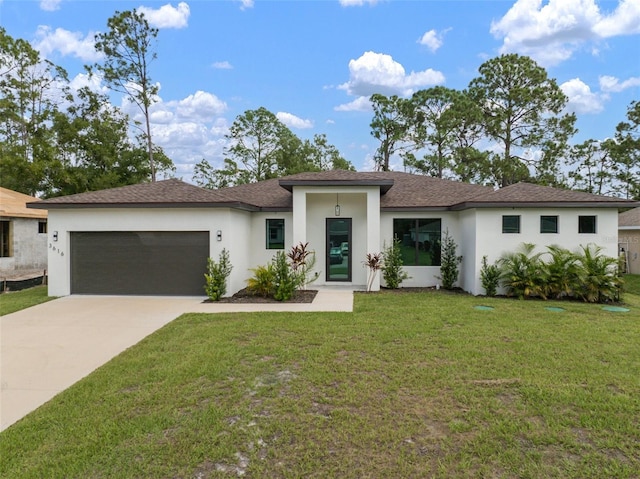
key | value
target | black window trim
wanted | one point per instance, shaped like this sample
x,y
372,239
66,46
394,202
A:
x,y
268,229
557,221
518,217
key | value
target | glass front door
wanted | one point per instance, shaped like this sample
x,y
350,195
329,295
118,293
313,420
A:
x,y
338,249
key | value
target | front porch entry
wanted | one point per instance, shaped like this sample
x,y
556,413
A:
x,y
339,249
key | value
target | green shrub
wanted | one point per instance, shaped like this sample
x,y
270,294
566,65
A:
x,y
285,280
216,276
522,272
560,274
489,277
450,261
598,276
392,271
262,282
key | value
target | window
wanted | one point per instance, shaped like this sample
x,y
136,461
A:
x,y
42,227
275,234
548,224
419,240
5,239
586,224
511,224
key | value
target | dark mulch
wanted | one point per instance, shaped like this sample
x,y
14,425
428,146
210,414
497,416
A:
x,y
245,296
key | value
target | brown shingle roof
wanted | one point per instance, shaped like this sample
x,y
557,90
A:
x,y
529,195
629,218
163,193
399,191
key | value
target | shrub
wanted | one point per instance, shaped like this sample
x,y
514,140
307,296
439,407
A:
x,y
521,272
449,266
303,262
374,263
489,277
216,276
284,279
392,271
262,282
598,276
560,274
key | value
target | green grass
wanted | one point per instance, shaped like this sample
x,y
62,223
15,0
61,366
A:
x,y
409,385
632,283
11,302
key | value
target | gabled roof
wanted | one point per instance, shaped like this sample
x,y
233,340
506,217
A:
x,y
630,219
14,205
399,192
527,195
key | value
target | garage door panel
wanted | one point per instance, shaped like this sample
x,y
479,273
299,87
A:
x,y
139,263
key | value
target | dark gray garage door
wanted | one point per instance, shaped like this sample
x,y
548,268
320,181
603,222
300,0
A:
x,y
139,263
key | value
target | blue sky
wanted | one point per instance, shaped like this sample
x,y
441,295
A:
x,y
315,63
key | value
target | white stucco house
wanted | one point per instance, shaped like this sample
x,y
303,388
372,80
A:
x,y
154,238
23,235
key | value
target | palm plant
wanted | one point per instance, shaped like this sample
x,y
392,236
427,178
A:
x,y
521,272
560,273
598,276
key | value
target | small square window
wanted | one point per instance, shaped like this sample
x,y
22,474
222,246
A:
x,y
275,234
587,224
42,227
511,224
548,224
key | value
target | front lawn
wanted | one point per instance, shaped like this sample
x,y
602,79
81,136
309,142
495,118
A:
x,y
409,385
13,301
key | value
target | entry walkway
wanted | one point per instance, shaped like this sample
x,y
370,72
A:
x,y
46,348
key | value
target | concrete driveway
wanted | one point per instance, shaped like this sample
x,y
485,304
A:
x,y
46,348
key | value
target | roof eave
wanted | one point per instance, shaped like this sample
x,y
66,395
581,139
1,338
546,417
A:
x,y
541,204
70,206
384,184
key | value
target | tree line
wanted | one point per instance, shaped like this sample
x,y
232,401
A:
x,y
509,125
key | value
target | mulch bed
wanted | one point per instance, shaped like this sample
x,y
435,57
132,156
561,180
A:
x,y
244,296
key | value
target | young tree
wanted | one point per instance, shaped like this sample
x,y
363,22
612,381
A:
x,y
522,113
129,48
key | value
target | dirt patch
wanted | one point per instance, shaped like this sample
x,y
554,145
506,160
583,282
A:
x,y
245,296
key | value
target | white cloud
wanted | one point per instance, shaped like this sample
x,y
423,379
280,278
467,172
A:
x,y
244,4
93,82
66,43
225,65
293,121
581,98
625,20
612,84
357,3
553,32
359,104
432,40
379,73
201,106
50,5
167,16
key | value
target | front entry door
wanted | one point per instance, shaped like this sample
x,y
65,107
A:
x,y
338,249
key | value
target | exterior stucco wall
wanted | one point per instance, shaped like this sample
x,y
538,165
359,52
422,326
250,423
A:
x,y
28,247
423,276
234,226
629,239
490,240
